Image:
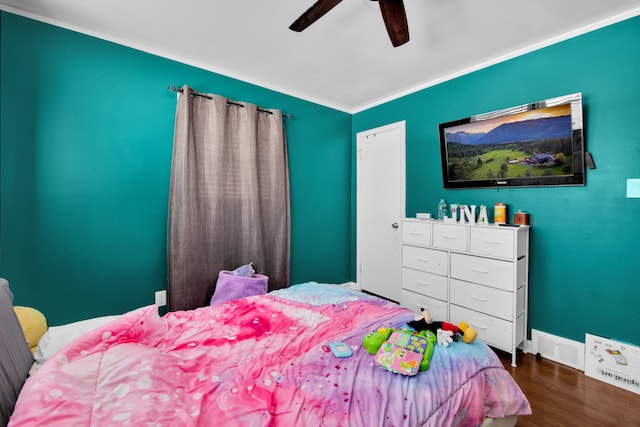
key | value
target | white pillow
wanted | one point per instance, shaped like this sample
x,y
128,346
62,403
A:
x,y
57,337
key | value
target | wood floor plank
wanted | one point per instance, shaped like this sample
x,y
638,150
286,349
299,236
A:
x,y
563,396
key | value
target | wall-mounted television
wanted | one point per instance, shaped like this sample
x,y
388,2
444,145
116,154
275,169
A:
x,y
540,143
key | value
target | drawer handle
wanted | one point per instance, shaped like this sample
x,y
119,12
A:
x,y
424,259
479,326
421,283
475,270
491,242
477,298
446,236
416,233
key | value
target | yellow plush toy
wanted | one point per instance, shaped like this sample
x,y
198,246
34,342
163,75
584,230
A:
x,y
33,323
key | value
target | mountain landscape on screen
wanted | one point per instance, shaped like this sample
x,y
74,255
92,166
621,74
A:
x,y
522,131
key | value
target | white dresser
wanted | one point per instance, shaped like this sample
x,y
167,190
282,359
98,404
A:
x,y
478,274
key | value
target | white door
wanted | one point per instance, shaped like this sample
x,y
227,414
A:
x,y
380,209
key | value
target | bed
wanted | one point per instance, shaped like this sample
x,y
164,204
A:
x,y
262,361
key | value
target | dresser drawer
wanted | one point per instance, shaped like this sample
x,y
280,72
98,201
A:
x,y
491,301
416,233
490,272
424,259
450,236
424,283
491,330
492,241
437,309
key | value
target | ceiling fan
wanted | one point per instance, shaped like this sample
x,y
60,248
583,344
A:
x,y
393,14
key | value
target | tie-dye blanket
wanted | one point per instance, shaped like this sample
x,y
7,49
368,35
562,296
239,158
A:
x,y
259,361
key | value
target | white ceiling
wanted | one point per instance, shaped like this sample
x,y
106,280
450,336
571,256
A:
x,y
345,60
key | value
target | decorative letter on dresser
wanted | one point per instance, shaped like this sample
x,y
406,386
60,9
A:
x,y
477,274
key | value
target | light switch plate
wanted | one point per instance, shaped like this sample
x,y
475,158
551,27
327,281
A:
x,y
633,188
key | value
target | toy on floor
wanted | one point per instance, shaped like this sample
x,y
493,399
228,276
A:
x,y
450,331
401,351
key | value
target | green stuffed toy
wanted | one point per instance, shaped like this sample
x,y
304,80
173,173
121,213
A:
x,y
401,351
373,340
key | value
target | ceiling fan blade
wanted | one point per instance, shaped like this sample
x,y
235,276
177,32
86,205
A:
x,y
314,13
395,19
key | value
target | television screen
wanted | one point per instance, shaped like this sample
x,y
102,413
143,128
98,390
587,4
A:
x,y
540,143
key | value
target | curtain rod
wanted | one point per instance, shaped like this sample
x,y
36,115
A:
x,y
173,88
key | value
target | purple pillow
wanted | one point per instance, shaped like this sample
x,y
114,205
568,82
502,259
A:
x,y
230,287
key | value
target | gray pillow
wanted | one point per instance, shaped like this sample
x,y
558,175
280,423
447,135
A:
x,y
15,357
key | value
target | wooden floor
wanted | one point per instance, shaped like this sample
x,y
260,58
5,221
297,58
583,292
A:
x,y
563,396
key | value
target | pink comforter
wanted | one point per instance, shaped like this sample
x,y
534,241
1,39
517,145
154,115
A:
x,y
259,361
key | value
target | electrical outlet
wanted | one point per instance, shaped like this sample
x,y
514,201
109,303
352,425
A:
x,y
161,298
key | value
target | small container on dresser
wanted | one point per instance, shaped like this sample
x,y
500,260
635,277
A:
x,y
472,273
521,218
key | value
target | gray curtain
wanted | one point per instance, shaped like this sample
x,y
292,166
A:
x,y
229,196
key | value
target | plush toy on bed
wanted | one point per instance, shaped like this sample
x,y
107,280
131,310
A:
x,y
400,351
446,332
33,324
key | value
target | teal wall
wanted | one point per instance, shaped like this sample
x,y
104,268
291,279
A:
x,y
584,270
86,130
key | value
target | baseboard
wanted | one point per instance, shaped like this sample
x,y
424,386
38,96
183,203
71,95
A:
x,y
558,349
351,285
527,347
